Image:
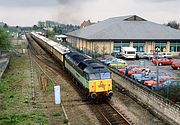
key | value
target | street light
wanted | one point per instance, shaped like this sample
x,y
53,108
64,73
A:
x,y
157,55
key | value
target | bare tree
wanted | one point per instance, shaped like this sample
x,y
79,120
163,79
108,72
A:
x,y
96,49
103,50
173,24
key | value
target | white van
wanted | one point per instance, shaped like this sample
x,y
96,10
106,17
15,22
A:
x,y
128,52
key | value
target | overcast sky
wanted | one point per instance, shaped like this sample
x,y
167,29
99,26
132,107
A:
x,y
29,12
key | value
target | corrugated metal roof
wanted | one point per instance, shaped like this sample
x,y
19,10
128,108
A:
x,y
120,28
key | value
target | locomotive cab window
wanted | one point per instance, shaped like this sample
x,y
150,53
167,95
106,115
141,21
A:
x,y
95,76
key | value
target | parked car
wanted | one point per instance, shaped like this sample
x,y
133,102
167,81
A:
x,y
117,63
119,56
122,70
152,82
167,83
150,56
135,71
106,57
143,77
162,61
167,55
176,64
162,78
107,61
99,58
141,56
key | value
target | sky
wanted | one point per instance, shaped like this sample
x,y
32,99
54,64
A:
x,y
29,12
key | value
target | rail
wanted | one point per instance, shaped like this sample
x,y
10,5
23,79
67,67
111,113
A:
x,y
108,115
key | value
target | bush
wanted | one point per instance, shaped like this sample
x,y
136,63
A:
x,y
4,42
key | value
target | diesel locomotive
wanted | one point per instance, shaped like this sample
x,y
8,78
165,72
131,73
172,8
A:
x,y
93,78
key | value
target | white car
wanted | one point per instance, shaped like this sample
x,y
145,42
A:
x,y
167,55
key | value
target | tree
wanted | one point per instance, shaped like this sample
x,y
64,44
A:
x,y
5,26
96,49
103,50
41,24
50,34
35,27
173,24
4,42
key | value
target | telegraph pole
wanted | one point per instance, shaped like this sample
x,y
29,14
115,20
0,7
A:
x,y
157,65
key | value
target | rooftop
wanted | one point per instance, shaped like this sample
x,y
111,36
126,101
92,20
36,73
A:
x,y
126,27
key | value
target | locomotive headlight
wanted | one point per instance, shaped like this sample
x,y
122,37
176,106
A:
x,y
109,83
93,86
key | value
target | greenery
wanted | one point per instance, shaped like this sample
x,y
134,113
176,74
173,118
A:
x,y
24,118
4,42
57,114
14,101
66,121
50,87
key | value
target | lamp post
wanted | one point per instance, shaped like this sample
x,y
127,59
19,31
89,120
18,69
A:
x,y
157,65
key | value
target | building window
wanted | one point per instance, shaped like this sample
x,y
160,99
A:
x,y
119,44
117,49
161,45
139,46
175,46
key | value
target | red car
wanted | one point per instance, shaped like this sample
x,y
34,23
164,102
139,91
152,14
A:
x,y
129,68
161,80
176,64
162,61
135,71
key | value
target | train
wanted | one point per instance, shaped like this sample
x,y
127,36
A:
x,y
93,78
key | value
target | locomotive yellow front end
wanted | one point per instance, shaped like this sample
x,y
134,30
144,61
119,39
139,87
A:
x,y
101,87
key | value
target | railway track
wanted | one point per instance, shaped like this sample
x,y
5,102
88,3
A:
x,y
108,115
105,112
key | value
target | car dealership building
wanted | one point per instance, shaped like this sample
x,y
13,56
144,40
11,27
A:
x,y
114,33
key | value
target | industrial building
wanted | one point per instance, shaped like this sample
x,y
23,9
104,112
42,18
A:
x,y
127,31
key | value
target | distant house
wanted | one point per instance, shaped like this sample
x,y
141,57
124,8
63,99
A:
x,y
126,31
86,23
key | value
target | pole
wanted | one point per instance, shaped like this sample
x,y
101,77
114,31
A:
x,y
157,54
